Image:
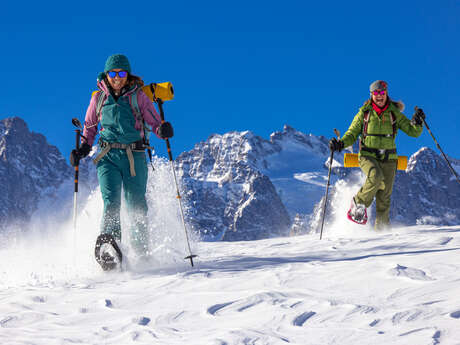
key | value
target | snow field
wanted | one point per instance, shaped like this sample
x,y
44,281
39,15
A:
x,y
356,286
398,287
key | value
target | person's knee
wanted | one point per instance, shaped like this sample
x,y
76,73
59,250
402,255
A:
x,y
375,176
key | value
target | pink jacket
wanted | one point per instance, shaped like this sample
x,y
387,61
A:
x,y
146,108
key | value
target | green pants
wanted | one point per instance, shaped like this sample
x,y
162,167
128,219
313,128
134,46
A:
x,y
113,173
380,177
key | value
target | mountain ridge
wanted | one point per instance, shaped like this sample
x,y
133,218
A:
x,y
237,185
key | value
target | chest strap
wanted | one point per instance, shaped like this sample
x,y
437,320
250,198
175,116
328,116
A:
x,y
137,146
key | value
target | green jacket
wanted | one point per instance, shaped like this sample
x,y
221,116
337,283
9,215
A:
x,y
380,125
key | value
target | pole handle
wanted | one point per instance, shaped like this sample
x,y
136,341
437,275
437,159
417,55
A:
x,y
337,133
159,101
77,146
77,138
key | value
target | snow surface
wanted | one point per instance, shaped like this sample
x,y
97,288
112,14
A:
x,y
399,287
356,286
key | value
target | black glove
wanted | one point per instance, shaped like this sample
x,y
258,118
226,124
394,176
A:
x,y
165,130
418,117
76,155
336,145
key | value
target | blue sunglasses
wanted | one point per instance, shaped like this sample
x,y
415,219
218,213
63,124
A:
x,y
121,74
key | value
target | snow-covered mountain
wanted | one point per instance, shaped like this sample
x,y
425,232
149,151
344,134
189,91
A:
x,y
231,198
220,173
242,186
30,170
427,192
236,186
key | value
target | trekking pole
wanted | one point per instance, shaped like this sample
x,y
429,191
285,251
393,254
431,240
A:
x,y
78,135
337,133
439,148
159,101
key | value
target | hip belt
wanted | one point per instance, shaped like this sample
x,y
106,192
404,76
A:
x,y
381,154
138,146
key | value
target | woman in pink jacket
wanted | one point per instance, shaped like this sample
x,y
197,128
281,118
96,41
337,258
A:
x,y
126,116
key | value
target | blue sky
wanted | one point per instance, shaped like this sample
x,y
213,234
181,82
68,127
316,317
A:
x,y
236,65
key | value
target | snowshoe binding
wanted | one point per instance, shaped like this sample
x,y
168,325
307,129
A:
x,y
357,213
107,252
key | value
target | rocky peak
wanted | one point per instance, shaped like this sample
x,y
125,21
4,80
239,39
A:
x,y
294,138
29,168
431,167
233,199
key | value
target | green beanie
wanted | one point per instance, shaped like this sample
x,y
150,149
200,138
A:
x,y
117,61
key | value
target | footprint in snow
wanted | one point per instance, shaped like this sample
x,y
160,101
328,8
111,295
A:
x,y
407,316
411,273
455,314
374,323
142,321
213,310
39,299
24,319
302,318
445,240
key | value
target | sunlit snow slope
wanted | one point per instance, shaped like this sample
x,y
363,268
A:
x,y
355,287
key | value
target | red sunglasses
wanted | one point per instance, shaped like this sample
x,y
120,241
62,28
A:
x,y
378,92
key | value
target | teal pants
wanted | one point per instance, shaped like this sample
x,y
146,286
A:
x,y
114,174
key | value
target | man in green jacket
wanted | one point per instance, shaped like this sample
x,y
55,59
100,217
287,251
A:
x,y
377,123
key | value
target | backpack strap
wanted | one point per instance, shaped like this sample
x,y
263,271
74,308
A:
x,y
144,129
101,98
133,101
380,154
134,104
393,123
366,123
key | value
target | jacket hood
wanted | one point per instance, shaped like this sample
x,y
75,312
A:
x,y
102,85
100,76
400,105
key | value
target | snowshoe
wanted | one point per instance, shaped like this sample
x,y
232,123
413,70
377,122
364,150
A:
x,y
357,213
107,252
